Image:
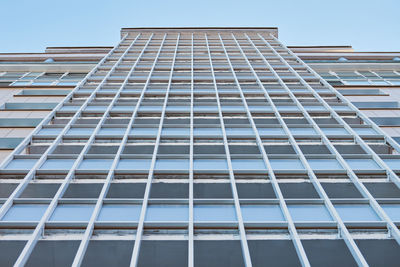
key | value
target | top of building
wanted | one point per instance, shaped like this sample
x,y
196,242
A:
x,y
271,30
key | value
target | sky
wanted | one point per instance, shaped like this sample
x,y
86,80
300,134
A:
x,y
32,25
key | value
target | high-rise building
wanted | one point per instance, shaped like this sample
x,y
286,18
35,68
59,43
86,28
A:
x,y
200,147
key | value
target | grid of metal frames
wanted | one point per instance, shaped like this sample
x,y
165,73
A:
x,y
230,107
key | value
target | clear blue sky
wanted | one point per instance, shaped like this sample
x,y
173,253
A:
x,y
31,25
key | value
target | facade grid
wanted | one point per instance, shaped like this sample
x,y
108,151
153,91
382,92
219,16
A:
x,y
202,147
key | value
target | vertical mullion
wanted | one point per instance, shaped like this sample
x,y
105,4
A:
x,y
29,176
139,232
374,204
28,248
191,225
291,227
90,227
317,185
242,230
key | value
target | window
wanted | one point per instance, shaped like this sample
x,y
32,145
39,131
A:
x,y
334,131
248,164
21,164
210,164
271,131
95,164
286,164
393,211
144,131
356,82
119,212
175,131
80,131
10,142
298,190
260,108
364,131
96,108
261,213
134,164
25,212
69,108
309,213
366,92
19,122
211,190
50,131
302,131
172,164
386,121
314,108
373,104
57,164
356,212
363,164
207,131
208,213
287,108
239,131
393,163
165,213
324,164
72,213
29,106
236,108
112,131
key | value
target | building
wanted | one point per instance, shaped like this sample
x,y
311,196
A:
x,y
200,147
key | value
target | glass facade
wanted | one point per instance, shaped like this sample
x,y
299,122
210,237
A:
x,y
203,147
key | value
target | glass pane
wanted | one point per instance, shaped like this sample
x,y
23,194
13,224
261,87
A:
x,y
210,164
72,212
393,163
95,164
57,164
119,212
260,213
21,164
248,164
209,213
112,131
393,211
175,131
80,131
286,164
172,164
324,164
334,131
356,212
207,131
309,213
50,131
365,131
25,212
271,131
302,131
239,131
165,213
233,108
144,131
134,164
362,164
96,108
70,108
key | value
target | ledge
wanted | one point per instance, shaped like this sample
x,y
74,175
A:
x,y
271,30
